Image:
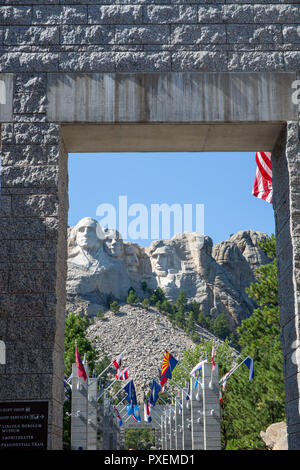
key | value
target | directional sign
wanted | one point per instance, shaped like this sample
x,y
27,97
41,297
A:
x,y
23,425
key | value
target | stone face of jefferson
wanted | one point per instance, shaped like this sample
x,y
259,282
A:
x,y
113,243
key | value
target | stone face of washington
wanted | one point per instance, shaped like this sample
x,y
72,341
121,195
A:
x,y
92,267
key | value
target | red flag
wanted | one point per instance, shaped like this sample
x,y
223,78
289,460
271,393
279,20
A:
x,y
163,380
213,364
262,187
81,369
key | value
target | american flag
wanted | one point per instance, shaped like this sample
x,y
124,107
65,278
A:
x,y
118,415
262,187
124,375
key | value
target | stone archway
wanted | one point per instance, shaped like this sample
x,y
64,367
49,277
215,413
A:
x,y
77,77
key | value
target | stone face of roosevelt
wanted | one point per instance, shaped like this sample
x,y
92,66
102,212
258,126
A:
x,y
132,258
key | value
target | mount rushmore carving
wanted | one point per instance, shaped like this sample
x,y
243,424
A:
x,y
102,266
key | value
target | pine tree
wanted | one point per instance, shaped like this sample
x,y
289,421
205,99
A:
x,y
252,406
114,307
132,297
179,317
181,301
190,322
75,329
157,296
205,321
145,303
220,326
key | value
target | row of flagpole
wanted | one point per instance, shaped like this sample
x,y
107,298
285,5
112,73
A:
x,y
165,374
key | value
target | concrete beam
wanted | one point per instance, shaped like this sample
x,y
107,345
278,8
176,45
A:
x,y
171,97
233,137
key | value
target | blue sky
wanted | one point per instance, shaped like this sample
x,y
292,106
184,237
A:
x,y
221,181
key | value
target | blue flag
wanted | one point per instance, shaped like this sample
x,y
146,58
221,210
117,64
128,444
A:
x,y
155,389
129,409
136,413
133,410
250,364
131,395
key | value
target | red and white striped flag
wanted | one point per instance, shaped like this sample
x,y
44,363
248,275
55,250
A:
x,y
123,375
262,187
118,361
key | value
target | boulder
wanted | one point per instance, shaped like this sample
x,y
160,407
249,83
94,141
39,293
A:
x,y
275,436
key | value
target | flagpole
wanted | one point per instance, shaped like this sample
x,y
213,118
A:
x,y
182,389
121,411
157,422
117,393
109,365
178,363
115,380
174,398
121,401
155,414
231,372
163,400
107,388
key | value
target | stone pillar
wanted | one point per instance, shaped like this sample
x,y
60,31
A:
x,y
211,408
197,415
79,411
286,204
163,434
115,432
172,427
92,424
33,233
158,437
106,425
186,423
177,426
166,429
121,443
169,425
